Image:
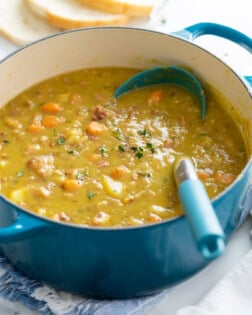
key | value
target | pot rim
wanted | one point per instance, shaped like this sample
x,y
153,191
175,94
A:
x,y
144,226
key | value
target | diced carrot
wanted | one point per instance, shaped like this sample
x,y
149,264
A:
x,y
50,121
35,128
71,184
203,175
51,108
119,171
226,178
154,218
155,96
95,128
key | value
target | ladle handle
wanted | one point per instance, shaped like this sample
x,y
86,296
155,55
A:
x,y
199,211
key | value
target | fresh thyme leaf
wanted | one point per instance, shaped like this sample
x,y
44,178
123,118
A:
x,y
151,147
103,150
90,195
61,140
145,133
117,133
121,148
79,176
139,154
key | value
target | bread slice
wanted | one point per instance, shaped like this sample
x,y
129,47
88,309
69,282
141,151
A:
x,y
129,7
68,14
21,26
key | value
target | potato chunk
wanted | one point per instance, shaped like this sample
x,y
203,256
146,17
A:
x,y
112,187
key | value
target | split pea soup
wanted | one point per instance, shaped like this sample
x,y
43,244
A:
x,y
72,153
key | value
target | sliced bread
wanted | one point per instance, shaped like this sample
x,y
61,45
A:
x,y
129,7
68,14
21,26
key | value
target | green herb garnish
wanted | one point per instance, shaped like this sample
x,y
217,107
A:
x,y
151,147
139,151
145,133
103,150
121,148
90,195
20,174
70,152
79,176
61,140
117,133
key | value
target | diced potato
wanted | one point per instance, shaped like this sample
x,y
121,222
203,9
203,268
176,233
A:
x,y
19,195
101,218
41,211
112,187
73,135
3,163
13,123
159,209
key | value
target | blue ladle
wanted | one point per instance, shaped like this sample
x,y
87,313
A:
x,y
165,75
198,209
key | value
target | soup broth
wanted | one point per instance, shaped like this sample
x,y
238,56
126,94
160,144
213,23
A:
x,y
71,152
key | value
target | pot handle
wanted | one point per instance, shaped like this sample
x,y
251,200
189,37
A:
x,y
194,31
249,80
24,227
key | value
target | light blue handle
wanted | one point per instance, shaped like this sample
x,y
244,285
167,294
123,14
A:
x,y
24,226
249,80
194,31
202,219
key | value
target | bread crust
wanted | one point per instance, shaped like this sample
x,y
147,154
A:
x,y
120,7
64,21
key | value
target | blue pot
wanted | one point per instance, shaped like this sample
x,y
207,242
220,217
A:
x,y
134,261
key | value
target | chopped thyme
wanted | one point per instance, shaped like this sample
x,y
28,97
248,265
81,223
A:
x,y
151,147
70,152
103,150
20,174
90,195
117,133
121,148
79,176
139,151
61,140
145,133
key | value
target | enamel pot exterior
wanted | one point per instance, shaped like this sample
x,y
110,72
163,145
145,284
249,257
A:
x,y
127,262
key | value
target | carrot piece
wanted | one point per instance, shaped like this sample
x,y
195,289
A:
x,y
154,218
155,96
226,178
203,175
35,128
119,171
71,184
50,121
95,128
51,108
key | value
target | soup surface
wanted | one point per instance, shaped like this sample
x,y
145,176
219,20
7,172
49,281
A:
x,y
70,152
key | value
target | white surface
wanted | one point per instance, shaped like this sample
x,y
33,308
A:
x,y
174,15
231,296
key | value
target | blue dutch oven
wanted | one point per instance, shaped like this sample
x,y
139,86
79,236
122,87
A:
x,y
134,261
